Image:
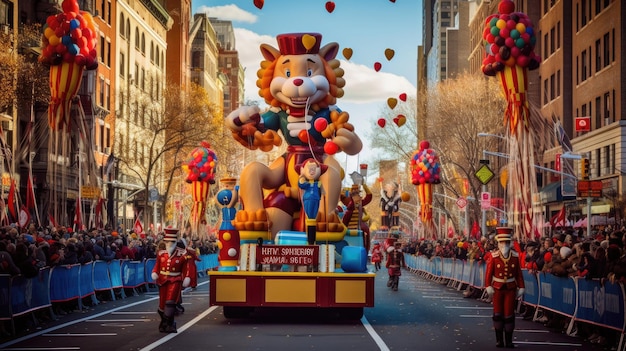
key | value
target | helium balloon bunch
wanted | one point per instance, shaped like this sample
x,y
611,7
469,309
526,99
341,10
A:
x,y
509,40
70,37
425,167
201,166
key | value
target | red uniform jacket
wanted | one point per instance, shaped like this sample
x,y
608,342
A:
x,y
504,273
171,269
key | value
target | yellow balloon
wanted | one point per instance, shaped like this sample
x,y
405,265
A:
x,y
504,177
347,53
48,32
392,102
54,40
308,41
389,54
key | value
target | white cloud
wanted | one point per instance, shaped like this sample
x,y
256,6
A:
x,y
363,84
228,13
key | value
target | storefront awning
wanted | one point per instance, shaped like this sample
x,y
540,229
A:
x,y
552,193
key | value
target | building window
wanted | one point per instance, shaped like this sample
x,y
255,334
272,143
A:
x,y
101,91
607,108
606,49
122,31
128,29
598,112
143,44
558,83
598,56
102,52
108,96
552,88
108,58
137,38
545,92
122,60
558,35
583,12
583,59
143,79
552,41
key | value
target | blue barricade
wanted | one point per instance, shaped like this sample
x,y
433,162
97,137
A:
x,y
601,303
5,297
149,265
437,266
468,267
132,274
115,272
101,277
557,294
85,281
447,267
30,294
531,288
64,283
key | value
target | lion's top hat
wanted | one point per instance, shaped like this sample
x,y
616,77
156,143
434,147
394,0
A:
x,y
299,43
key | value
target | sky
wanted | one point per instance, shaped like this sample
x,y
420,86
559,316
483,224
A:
x,y
368,27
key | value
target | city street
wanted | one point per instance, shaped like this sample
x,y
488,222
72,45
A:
x,y
422,314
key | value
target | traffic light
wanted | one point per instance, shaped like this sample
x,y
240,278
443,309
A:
x,y
584,168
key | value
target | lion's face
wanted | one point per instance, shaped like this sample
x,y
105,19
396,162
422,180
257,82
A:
x,y
299,81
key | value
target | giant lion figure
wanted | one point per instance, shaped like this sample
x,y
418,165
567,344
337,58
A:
x,y
301,81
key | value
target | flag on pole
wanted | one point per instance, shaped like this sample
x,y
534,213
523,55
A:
x,y
52,221
30,194
12,204
77,216
138,227
559,218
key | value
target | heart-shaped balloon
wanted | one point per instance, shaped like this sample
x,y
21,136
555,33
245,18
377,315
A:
x,y
400,120
392,102
402,96
377,66
347,53
394,1
382,122
308,41
259,4
330,6
389,54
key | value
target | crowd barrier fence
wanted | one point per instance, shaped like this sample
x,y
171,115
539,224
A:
x,y
592,301
20,295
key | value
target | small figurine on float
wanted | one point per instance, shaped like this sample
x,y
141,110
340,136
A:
x,y
312,191
505,283
228,236
355,216
171,274
390,198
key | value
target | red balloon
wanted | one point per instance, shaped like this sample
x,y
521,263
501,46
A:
x,y
331,148
259,4
402,96
70,6
377,66
303,136
330,6
320,124
382,122
506,6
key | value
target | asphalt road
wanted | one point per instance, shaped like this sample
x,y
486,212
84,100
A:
x,y
422,315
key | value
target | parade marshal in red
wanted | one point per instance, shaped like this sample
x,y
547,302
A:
x,y
504,282
171,274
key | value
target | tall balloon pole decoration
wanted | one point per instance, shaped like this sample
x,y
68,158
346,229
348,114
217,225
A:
x,y
425,171
509,42
200,169
68,47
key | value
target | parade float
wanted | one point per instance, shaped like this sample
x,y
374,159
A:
x,y
289,243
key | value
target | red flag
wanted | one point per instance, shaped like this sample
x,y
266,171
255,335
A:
x,y
138,227
77,216
11,203
24,219
30,194
53,222
558,218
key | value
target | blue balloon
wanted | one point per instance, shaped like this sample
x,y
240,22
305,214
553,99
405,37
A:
x,y
66,40
73,49
74,23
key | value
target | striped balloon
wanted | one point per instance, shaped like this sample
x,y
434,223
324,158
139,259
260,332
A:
x,y
65,80
514,82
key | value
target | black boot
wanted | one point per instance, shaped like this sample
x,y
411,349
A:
x,y
170,326
508,337
509,326
498,326
163,322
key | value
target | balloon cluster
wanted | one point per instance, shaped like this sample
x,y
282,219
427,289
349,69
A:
x,y
201,165
425,166
510,40
70,36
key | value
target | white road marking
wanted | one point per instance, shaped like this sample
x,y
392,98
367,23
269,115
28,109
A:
x,y
118,320
187,325
379,341
470,307
134,312
43,348
81,334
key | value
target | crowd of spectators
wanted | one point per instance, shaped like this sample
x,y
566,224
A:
x,y
565,253
26,252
